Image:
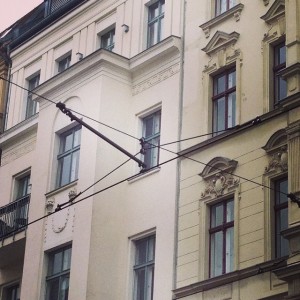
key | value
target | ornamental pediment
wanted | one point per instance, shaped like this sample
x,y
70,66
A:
x,y
220,40
276,11
218,177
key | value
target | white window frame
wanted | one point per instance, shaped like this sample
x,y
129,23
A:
x,y
31,106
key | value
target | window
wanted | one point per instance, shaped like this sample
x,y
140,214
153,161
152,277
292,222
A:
x,y
224,100
221,234
144,269
223,5
23,186
108,40
64,63
31,105
155,22
12,292
151,135
68,157
58,274
281,216
280,86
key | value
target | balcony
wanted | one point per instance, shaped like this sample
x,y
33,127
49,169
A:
x,y
14,217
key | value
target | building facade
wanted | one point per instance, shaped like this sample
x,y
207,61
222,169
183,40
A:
x,y
114,68
238,230
204,95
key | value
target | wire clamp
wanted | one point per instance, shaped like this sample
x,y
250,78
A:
x,y
294,198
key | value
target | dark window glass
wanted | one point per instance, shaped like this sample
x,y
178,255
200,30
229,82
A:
x,y
68,158
224,100
280,86
281,217
64,63
221,238
59,274
108,40
31,105
151,135
144,268
156,22
223,5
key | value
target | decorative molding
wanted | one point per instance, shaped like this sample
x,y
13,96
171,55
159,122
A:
x,y
17,151
234,11
220,40
155,79
59,228
276,11
49,205
278,161
276,149
218,177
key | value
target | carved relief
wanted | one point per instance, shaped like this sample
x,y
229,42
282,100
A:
x,y
49,205
60,221
157,78
219,184
276,149
218,177
278,161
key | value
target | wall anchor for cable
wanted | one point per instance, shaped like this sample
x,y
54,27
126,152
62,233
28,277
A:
x,y
294,198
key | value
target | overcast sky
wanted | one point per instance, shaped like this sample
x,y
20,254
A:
x,y
12,10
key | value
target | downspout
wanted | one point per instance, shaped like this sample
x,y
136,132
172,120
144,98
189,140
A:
x,y
7,89
179,130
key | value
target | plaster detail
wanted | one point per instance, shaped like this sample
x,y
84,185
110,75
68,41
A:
x,y
59,225
278,161
19,150
218,177
155,79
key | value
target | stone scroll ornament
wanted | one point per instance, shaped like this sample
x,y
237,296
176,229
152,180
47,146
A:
x,y
218,177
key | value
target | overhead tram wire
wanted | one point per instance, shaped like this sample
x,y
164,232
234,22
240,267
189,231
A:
x,y
72,202
290,195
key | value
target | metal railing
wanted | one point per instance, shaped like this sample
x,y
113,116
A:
x,y
14,217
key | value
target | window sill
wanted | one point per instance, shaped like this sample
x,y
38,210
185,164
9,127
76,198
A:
x,y
143,175
61,189
234,11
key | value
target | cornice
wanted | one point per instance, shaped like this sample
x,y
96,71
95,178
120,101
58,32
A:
x,y
212,283
234,11
19,130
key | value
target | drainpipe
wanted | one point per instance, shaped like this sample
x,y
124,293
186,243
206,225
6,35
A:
x,y
7,88
180,117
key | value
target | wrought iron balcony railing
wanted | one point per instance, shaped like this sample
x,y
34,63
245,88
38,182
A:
x,y
14,217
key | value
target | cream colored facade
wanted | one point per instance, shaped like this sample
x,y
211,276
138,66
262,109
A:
x,y
173,79
242,165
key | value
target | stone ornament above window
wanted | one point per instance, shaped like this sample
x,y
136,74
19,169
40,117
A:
x,y
276,149
275,12
234,12
218,177
219,41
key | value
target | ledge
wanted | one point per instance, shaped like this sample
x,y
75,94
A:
x,y
212,283
234,11
143,175
19,130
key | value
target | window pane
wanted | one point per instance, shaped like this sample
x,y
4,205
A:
x,y
68,142
219,114
77,138
231,110
231,79
53,289
67,259
57,263
141,252
151,249
282,86
140,284
64,288
149,125
231,3
216,215
149,286
65,170
229,249
74,167
219,85
230,211
216,253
